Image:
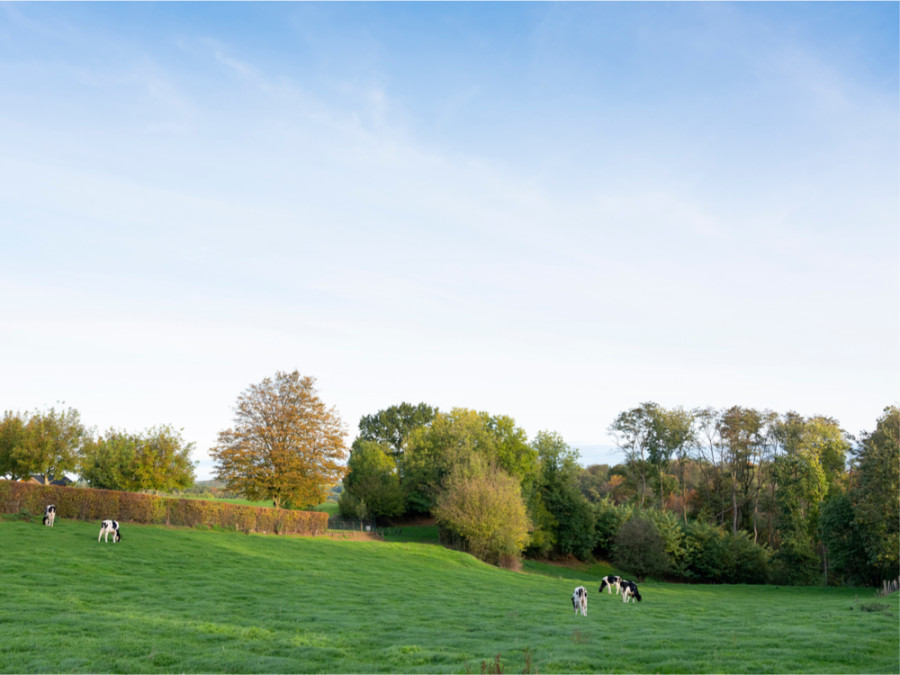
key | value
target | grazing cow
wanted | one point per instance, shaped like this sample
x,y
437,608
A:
x,y
579,600
49,515
109,527
630,591
610,582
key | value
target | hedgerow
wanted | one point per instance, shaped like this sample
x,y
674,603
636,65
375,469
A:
x,y
133,507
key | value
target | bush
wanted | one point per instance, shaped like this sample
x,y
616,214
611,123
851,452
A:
x,y
750,561
704,552
712,554
91,504
488,513
671,529
640,549
608,519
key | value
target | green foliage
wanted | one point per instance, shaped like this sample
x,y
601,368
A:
x,y
608,519
844,543
393,425
877,495
564,518
44,443
634,434
639,549
456,439
704,552
157,459
484,506
372,484
12,437
669,527
795,563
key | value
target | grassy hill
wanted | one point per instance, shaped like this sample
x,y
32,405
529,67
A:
x,y
180,600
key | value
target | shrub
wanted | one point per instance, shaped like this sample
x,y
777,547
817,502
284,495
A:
x,y
608,518
488,513
91,504
671,530
640,549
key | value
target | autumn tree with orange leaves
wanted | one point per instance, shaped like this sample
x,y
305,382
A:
x,y
285,446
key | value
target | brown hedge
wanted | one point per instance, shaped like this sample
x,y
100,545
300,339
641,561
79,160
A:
x,y
131,507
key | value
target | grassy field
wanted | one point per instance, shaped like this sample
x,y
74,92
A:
x,y
181,600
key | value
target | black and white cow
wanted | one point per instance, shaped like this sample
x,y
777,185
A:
x,y
109,527
630,591
579,600
49,515
610,582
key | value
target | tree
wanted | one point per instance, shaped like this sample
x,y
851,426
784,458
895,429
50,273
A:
x,y
12,436
571,519
640,549
709,449
484,505
372,480
801,488
741,432
157,459
673,432
453,438
877,493
593,481
285,446
634,434
45,443
843,541
393,425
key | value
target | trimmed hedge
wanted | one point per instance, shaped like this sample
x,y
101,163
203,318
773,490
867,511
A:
x,y
133,507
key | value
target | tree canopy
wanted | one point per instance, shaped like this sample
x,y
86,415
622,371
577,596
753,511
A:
x,y
46,443
393,425
285,444
157,459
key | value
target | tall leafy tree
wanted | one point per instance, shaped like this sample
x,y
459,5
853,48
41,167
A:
x,y
45,443
285,445
633,431
672,434
372,484
843,542
454,438
12,437
568,515
877,493
157,459
393,425
709,450
741,431
808,447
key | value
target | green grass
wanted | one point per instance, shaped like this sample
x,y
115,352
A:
x,y
331,508
181,600
422,534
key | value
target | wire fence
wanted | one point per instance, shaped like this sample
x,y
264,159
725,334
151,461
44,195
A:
x,y
350,524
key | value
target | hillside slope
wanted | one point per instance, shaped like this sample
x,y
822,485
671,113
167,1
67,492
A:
x,y
180,600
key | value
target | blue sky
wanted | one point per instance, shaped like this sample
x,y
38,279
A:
x,y
553,211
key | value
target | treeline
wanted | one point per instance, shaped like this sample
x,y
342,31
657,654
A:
x,y
713,495
55,442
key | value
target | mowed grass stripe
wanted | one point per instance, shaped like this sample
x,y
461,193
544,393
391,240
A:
x,y
181,600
